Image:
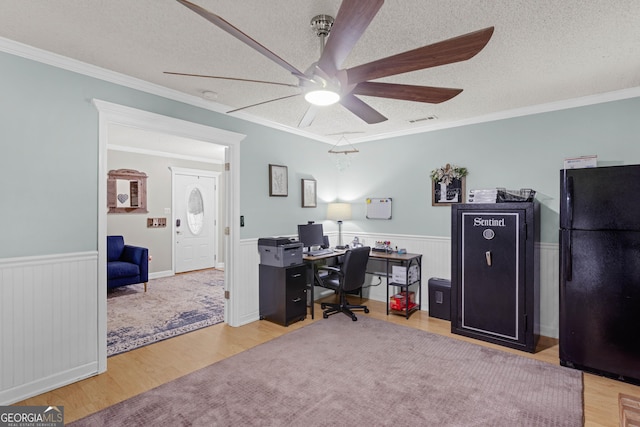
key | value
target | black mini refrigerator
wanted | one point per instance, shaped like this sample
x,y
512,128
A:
x,y
494,278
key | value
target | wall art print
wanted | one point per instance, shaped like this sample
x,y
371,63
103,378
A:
x,y
278,181
309,199
448,185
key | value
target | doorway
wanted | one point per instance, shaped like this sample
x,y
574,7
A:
x,y
109,114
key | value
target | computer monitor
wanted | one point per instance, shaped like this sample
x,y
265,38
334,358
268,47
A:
x,y
311,235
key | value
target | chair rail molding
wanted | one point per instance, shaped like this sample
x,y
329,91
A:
x,y
436,262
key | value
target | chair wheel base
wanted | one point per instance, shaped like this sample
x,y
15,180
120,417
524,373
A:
x,y
366,310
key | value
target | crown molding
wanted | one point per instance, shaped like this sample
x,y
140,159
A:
x,y
45,57
63,62
510,114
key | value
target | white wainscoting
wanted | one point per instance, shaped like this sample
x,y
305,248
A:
x,y
49,326
436,262
248,293
549,289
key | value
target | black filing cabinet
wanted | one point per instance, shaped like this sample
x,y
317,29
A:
x,y
494,280
283,293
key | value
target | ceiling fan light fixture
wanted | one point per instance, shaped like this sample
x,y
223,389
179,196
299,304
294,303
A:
x,y
322,97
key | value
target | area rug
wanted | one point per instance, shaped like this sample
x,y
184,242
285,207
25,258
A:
x,y
369,372
171,306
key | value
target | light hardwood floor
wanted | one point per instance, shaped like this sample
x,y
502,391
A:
x,y
132,373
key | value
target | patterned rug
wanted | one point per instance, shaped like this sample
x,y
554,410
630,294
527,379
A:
x,y
171,306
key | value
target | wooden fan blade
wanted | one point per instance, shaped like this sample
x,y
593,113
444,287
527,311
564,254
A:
x,y
361,109
229,78
263,102
219,22
309,116
352,20
429,94
448,51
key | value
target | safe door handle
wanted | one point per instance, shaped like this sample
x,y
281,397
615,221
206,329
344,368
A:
x,y
297,299
487,255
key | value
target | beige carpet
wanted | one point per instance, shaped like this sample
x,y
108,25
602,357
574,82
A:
x,y
364,373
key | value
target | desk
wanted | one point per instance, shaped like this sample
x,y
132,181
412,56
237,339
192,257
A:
x,y
406,260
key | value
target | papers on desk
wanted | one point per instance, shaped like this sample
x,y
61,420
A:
x,y
319,252
486,195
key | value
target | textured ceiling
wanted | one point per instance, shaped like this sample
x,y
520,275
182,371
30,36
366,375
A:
x,y
541,51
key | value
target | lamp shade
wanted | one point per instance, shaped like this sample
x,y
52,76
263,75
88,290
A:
x,y
339,211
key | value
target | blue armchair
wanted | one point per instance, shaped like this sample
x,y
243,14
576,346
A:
x,y
126,264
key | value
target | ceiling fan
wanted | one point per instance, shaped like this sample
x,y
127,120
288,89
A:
x,y
325,77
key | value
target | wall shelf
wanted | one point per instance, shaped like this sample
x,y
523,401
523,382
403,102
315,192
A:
x,y
127,191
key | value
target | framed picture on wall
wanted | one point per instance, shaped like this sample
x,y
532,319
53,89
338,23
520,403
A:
x,y
447,185
278,181
309,199
446,194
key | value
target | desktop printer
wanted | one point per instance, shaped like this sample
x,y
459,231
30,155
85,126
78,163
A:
x,y
279,251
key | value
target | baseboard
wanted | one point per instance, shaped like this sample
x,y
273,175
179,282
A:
x,y
43,385
160,274
169,273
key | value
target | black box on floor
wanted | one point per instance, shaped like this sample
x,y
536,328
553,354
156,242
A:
x,y
440,298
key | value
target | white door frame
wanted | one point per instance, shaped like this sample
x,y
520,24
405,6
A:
x,y
109,113
195,172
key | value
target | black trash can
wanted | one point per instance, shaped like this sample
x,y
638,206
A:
x,y
440,298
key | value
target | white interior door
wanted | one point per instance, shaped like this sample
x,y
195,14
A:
x,y
194,221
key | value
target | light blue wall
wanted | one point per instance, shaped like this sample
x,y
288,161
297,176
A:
x,y
49,153
49,149
48,177
523,152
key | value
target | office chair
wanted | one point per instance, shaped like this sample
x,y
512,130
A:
x,y
346,279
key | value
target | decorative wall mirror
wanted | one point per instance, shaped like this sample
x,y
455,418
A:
x,y
127,191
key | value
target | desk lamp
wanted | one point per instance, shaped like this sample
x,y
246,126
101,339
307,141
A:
x,y
339,212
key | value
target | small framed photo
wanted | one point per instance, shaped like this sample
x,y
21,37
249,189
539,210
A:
x,y
445,195
447,185
278,181
309,193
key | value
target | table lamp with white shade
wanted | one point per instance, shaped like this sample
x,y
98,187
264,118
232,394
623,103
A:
x,y
339,212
